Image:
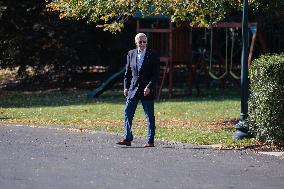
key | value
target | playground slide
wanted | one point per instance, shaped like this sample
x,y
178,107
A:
x,y
106,84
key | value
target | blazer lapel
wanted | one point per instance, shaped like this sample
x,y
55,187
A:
x,y
134,61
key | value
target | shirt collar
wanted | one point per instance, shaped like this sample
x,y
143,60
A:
x,y
142,52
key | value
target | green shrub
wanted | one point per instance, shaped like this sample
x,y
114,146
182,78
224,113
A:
x,y
266,101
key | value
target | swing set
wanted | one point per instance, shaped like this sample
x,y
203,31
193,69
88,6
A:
x,y
174,44
253,30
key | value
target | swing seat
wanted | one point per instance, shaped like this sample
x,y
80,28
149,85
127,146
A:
x,y
216,77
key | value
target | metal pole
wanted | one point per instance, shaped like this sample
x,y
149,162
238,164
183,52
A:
x,y
241,127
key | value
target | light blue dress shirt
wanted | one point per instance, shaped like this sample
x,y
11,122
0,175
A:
x,y
140,58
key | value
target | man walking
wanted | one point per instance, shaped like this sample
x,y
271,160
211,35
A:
x,y
142,72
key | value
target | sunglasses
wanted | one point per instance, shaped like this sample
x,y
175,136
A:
x,y
140,42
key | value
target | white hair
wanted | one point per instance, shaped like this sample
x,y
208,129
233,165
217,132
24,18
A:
x,y
138,35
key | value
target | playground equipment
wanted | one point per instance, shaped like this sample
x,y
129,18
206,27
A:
x,y
253,29
232,53
210,61
174,45
105,85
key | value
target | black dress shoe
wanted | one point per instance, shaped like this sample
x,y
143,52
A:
x,y
124,142
149,145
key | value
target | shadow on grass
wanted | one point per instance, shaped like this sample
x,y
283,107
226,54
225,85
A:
x,y
4,118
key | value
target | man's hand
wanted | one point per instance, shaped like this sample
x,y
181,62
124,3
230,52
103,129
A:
x,y
146,91
125,92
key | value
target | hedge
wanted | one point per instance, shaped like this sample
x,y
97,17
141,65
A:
x,y
266,101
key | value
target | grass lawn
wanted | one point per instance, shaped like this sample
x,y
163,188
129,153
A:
x,y
196,120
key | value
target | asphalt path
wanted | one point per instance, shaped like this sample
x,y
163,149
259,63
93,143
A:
x,y
45,158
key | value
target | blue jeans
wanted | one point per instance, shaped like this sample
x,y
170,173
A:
x,y
130,107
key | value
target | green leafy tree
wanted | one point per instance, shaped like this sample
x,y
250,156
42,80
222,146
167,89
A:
x,y
112,14
270,15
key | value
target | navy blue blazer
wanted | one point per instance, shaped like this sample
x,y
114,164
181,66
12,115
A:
x,y
136,81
